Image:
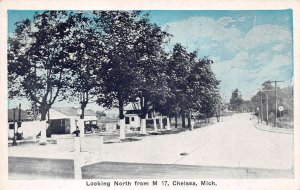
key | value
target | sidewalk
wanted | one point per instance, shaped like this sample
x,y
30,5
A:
x,y
112,146
270,128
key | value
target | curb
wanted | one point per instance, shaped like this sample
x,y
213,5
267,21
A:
x,y
273,131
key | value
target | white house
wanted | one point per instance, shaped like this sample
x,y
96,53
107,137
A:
x,y
132,119
154,120
63,120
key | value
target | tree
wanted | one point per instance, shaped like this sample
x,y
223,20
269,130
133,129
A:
x,y
236,100
100,114
123,37
86,48
246,106
150,65
178,68
209,100
265,101
286,99
36,58
193,85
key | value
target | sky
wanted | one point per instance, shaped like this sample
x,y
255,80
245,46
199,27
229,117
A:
x,y
247,47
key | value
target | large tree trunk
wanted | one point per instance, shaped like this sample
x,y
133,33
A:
x,y
183,120
143,114
161,122
83,103
176,121
143,126
189,121
207,120
81,122
44,110
155,124
217,116
82,111
122,120
168,123
44,128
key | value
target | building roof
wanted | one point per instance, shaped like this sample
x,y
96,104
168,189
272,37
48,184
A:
x,y
24,115
71,111
132,112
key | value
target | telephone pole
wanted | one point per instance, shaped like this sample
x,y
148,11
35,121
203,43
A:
x,y
14,139
267,105
276,103
261,107
267,109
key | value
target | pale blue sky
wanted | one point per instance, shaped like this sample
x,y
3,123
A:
x,y
248,47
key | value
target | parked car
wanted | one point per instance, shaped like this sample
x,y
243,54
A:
x,y
90,126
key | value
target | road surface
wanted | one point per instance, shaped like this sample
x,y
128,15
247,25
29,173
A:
x,y
234,148
235,142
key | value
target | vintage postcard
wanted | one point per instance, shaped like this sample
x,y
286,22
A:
x,y
160,95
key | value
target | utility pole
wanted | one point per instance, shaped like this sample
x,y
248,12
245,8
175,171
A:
x,y
267,105
14,139
261,107
276,103
267,108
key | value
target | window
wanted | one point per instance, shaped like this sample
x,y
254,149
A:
x,y
132,118
11,126
127,120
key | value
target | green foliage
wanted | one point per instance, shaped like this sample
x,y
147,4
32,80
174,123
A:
x,y
86,51
266,98
117,56
118,72
192,84
236,100
100,114
38,58
135,58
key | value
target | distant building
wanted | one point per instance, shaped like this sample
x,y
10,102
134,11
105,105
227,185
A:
x,y
24,115
63,120
132,119
13,115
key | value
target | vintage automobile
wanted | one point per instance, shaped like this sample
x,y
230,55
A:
x,y
90,126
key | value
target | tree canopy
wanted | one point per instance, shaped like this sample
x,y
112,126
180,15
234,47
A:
x,y
38,57
236,100
265,101
117,56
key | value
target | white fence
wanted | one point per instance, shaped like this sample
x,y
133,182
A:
x,y
30,129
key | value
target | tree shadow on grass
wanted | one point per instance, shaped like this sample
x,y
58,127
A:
x,y
130,139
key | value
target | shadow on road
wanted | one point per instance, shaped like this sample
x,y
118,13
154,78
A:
x,y
39,168
119,170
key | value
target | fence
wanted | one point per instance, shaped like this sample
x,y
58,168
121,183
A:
x,y
30,129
